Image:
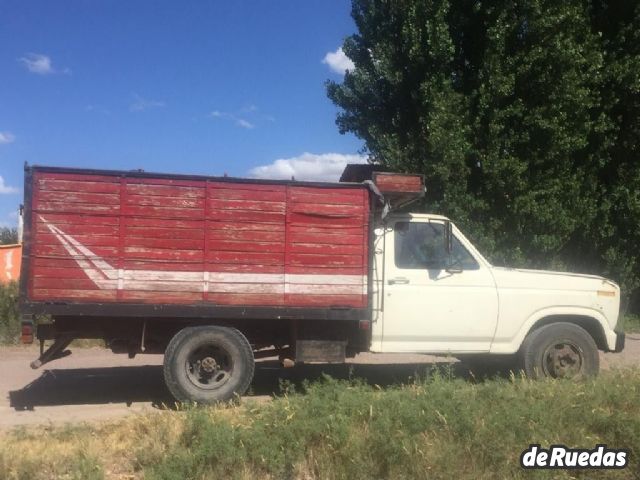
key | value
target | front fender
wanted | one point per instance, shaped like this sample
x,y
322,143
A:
x,y
513,345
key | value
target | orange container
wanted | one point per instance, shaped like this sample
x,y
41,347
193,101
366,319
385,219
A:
x,y
10,261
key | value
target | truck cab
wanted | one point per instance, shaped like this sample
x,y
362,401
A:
x,y
436,293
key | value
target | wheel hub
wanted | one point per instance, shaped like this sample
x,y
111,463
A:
x,y
209,367
209,364
563,360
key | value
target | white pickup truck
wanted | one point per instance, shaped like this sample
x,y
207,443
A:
x,y
216,272
436,293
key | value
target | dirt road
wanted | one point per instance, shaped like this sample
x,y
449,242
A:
x,y
94,384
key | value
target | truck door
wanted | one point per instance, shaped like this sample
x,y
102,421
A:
x,y
435,301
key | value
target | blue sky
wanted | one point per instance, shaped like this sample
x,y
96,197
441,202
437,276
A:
x,y
203,87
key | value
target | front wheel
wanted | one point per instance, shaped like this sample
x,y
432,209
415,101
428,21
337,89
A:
x,y
560,350
208,364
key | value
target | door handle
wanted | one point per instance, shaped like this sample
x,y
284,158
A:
x,y
398,281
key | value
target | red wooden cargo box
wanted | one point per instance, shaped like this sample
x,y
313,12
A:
x,y
146,242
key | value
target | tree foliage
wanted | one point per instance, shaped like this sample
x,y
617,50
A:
x,y
8,235
523,115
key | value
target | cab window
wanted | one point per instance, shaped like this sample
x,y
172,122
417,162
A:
x,y
421,246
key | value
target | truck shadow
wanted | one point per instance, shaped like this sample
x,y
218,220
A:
x,y
146,383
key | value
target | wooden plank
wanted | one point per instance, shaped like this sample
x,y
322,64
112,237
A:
x,y
53,185
80,197
243,268
309,289
144,253
177,224
64,283
322,230
333,249
325,191
163,286
247,258
241,247
215,226
66,262
246,236
157,201
77,230
162,264
163,233
335,221
174,182
241,194
215,204
332,238
73,294
86,240
260,288
161,212
167,243
88,221
325,260
161,297
256,187
296,300
59,251
327,209
398,183
165,191
246,299
58,207
342,197
59,271
326,270
242,216
76,177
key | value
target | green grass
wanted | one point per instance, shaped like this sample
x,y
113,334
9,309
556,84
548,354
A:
x,y
631,323
437,428
9,315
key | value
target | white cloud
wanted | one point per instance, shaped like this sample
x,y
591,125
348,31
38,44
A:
x,y
338,61
6,137
6,189
241,122
308,166
40,64
141,104
250,111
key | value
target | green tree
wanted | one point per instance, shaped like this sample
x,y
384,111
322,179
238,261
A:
x,y
537,90
402,98
613,238
8,235
523,115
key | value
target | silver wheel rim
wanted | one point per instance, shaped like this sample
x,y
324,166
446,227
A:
x,y
209,367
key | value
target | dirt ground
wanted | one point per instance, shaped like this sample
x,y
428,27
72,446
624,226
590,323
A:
x,y
94,384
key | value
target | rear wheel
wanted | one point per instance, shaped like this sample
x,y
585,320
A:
x,y
208,364
560,350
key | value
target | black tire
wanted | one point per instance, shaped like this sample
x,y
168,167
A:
x,y
208,364
560,350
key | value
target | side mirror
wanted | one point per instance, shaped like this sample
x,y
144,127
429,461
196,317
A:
x,y
448,237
